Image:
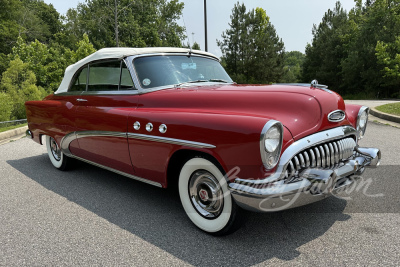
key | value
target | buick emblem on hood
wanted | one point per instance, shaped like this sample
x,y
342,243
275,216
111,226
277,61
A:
x,y
336,116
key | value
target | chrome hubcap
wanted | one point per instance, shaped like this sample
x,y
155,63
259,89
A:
x,y
55,150
206,194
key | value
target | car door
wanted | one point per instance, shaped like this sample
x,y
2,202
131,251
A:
x,y
102,113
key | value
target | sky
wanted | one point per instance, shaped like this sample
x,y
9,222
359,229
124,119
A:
x,y
293,19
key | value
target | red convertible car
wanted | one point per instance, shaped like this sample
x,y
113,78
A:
x,y
173,116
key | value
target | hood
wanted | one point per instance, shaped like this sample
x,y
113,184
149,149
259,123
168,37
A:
x,y
302,110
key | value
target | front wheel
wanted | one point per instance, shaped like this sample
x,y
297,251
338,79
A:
x,y
57,158
206,198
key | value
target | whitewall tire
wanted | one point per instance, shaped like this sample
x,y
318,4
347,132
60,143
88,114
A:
x,y
57,158
206,198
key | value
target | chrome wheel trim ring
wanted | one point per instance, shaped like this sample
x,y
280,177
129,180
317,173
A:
x,y
206,194
55,149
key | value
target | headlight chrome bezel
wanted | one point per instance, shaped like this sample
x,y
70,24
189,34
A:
x,y
361,130
271,159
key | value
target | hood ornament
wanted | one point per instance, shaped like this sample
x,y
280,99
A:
x,y
315,84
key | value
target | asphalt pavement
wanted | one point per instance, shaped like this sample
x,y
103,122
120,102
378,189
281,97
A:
x,y
89,216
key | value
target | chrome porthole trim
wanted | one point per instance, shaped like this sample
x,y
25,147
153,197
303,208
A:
x,y
336,115
162,128
136,125
149,127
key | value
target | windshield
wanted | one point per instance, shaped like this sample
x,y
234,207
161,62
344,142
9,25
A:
x,y
156,71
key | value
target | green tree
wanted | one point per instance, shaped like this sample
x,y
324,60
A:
x,y
137,23
83,49
37,21
36,56
20,84
196,46
233,44
388,55
251,49
355,53
6,107
9,27
29,19
48,62
293,66
325,54
47,14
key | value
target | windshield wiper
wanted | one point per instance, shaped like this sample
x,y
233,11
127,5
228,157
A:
x,y
196,81
218,80
203,81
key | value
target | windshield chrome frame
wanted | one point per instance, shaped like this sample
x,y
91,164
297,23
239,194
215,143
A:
x,y
129,61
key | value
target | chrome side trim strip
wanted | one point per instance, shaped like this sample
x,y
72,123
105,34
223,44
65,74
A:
x,y
169,140
81,134
118,172
67,139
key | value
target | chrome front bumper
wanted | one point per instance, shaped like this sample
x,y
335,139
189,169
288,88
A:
x,y
314,184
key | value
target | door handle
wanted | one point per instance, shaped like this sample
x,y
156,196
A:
x,y
81,100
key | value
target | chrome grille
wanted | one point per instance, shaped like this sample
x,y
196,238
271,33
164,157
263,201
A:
x,y
327,156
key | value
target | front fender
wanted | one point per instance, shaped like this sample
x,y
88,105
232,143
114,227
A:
x,y
352,113
235,140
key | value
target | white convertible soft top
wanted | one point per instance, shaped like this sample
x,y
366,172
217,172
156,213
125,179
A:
x,y
118,53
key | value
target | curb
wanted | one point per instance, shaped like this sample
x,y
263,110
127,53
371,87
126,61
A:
x,y
384,116
13,133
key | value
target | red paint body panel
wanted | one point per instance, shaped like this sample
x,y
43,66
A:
x,y
230,117
302,110
105,114
53,116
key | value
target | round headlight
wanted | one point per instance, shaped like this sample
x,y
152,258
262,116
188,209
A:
x,y
363,120
272,139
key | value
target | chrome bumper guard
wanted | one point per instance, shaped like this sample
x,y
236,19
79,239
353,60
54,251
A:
x,y
314,184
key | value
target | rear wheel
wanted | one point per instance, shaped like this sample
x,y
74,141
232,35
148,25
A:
x,y
57,158
206,198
